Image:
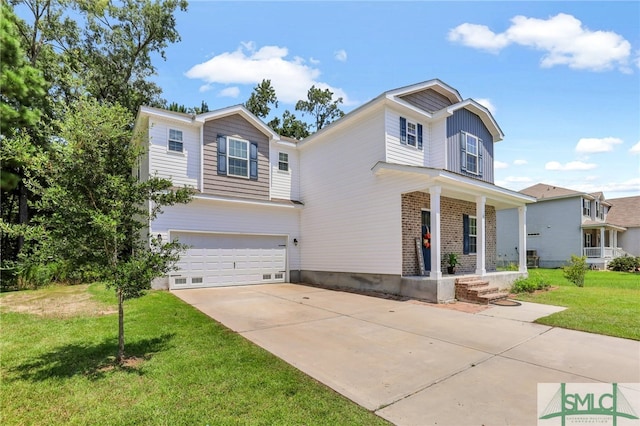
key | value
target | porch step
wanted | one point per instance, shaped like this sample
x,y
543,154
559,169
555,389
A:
x,y
477,290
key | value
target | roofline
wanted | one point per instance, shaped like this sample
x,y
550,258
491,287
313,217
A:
x,y
482,112
454,179
200,119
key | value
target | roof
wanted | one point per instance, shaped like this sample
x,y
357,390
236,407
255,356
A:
x,y
624,211
394,98
543,191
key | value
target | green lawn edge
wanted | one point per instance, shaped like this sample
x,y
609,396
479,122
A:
x,y
608,304
191,371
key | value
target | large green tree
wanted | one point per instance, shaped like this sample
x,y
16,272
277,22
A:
x,y
321,106
261,99
22,94
97,210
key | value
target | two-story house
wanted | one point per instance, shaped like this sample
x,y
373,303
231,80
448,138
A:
x,y
564,222
374,201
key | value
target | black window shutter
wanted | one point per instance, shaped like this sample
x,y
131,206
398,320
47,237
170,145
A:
x,y
403,130
465,234
480,163
222,155
463,152
253,161
419,136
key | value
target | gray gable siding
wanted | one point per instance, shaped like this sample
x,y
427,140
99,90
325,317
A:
x,y
428,100
464,120
215,184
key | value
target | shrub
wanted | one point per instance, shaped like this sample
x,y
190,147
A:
x,y
529,285
624,264
576,270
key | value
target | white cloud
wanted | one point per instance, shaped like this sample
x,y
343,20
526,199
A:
x,y
630,185
500,165
570,166
487,104
594,145
635,149
230,92
291,78
562,38
520,162
340,55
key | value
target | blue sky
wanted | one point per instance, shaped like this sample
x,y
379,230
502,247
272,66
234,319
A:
x,y
562,78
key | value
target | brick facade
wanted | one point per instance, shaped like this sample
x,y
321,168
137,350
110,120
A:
x,y
451,232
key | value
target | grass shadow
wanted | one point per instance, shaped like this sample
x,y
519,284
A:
x,y
93,361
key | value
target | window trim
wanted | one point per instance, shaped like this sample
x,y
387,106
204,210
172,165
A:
x,y
466,153
247,145
586,207
174,140
284,162
473,236
405,135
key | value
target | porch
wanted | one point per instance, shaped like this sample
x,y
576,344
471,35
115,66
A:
x,y
600,244
443,289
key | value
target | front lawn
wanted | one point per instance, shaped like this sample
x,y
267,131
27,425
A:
x,y
186,369
609,302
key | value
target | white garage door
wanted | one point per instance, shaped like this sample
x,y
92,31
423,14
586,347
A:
x,y
215,260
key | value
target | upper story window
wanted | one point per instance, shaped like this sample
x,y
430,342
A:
x,y
471,153
600,210
283,161
586,207
237,157
175,141
410,133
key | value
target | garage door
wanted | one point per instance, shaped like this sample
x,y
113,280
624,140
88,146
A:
x,y
215,260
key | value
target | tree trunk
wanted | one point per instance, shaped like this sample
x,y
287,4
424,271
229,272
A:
x,y
23,212
120,356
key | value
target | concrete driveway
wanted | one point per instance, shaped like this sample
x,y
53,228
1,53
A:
x,y
414,363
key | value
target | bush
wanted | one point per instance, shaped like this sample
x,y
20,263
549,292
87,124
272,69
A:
x,y
624,264
576,270
529,285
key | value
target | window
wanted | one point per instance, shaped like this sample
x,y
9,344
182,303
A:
x,y
181,281
599,210
586,207
471,158
175,140
410,133
237,157
469,234
283,161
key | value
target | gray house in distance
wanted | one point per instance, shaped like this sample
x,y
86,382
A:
x,y
564,222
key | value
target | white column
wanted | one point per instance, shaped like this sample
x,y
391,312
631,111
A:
x,y
522,239
481,250
436,269
602,242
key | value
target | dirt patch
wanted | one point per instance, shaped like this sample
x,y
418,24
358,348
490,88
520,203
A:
x,y
56,302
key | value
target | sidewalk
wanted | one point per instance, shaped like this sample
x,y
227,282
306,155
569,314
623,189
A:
x,y
414,363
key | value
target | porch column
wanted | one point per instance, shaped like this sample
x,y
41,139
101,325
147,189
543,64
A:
x,y
436,269
522,239
602,253
481,268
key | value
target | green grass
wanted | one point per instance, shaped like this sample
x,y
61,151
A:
x,y
609,302
59,370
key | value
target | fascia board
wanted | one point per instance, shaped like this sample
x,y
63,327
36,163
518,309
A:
x,y
484,114
167,115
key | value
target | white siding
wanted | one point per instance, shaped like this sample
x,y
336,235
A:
x,y
401,153
352,218
182,168
629,241
232,218
285,185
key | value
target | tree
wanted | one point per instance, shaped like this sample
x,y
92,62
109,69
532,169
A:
x,y
97,211
262,96
291,126
22,95
104,50
321,106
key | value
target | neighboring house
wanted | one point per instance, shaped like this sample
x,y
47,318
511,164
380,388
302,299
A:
x,y
564,222
350,206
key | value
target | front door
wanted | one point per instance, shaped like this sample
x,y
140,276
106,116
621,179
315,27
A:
x,y
426,239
